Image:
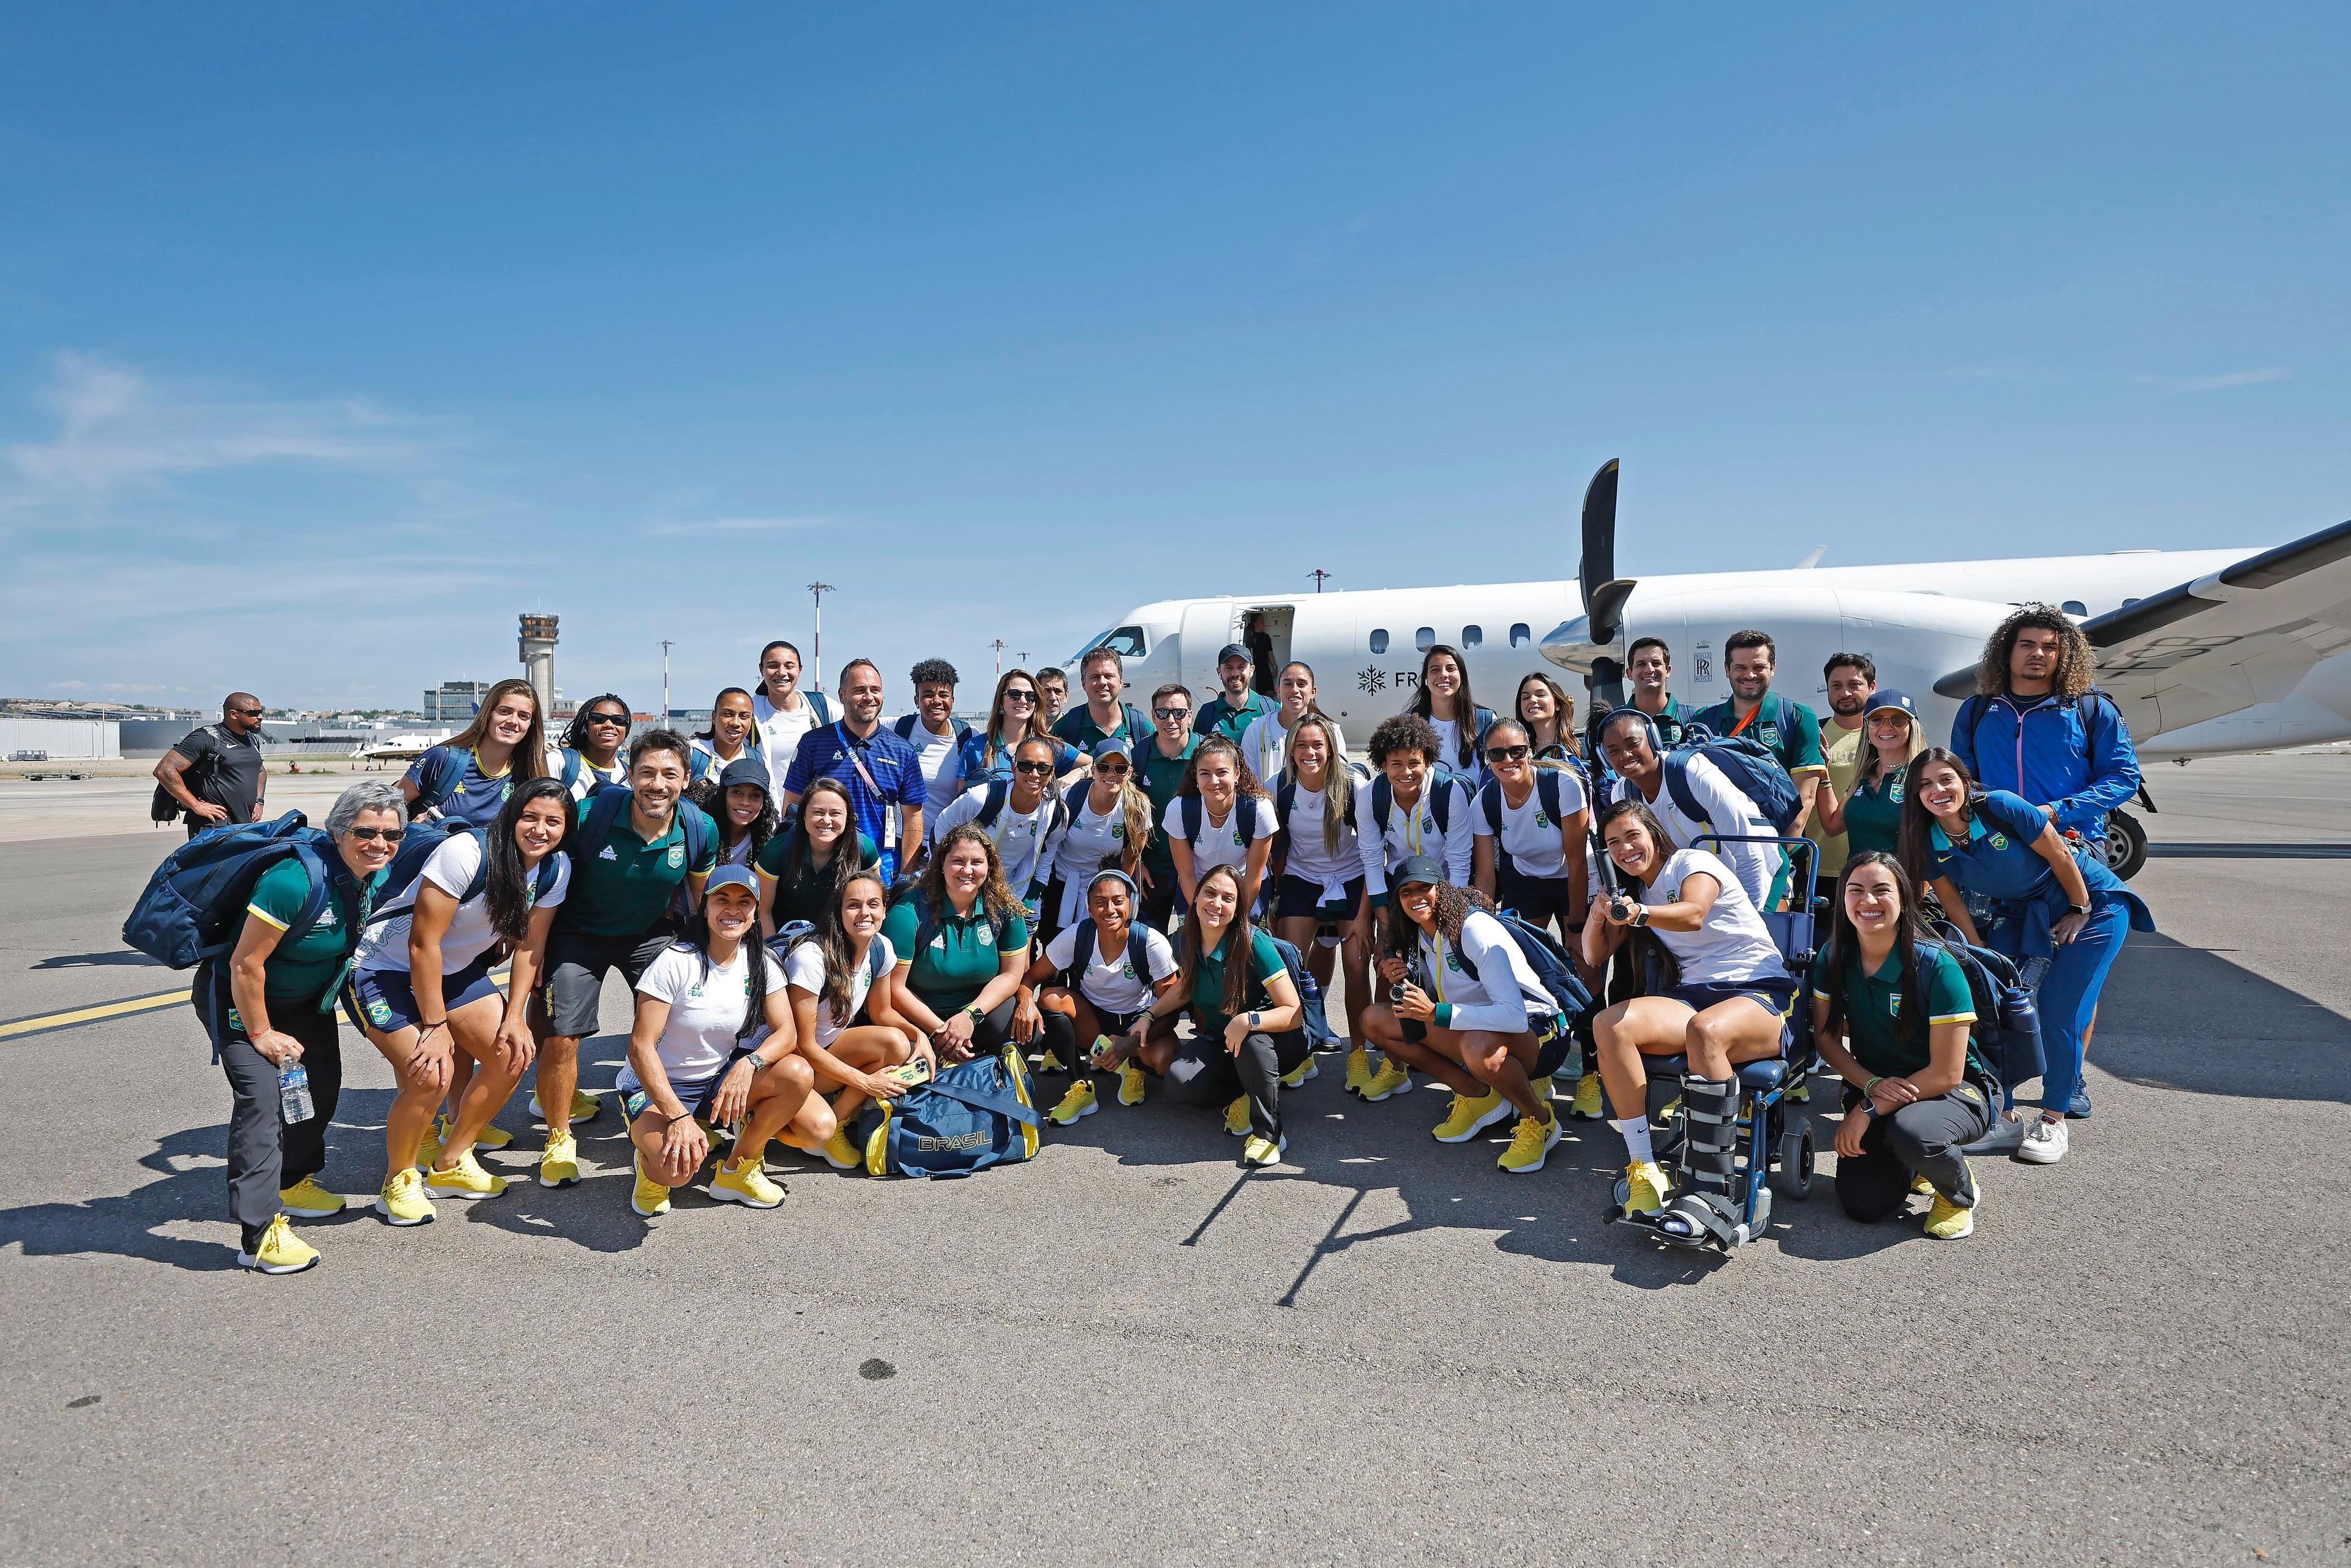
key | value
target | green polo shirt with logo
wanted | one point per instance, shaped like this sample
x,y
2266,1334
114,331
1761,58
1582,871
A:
x,y
305,962
1221,717
1873,1001
950,970
1161,777
1208,982
627,887
1790,731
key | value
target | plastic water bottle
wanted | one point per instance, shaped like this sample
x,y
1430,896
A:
x,y
293,1092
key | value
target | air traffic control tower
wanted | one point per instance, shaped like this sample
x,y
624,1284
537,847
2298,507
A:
x,y
538,659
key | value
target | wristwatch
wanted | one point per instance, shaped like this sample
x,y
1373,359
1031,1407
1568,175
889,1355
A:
x,y
2081,908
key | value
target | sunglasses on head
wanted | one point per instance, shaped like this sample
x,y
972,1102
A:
x,y
1045,768
617,721
1508,753
369,835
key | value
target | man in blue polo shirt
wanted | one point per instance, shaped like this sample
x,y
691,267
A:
x,y
879,770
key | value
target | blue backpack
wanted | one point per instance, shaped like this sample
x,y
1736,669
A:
x,y
1438,791
1194,816
441,780
193,906
1748,763
1138,951
2007,1032
1550,962
1491,800
974,1114
905,724
1310,992
604,809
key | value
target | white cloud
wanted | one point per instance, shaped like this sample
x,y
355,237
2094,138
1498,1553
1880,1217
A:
x,y
2219,382
119,429
735,526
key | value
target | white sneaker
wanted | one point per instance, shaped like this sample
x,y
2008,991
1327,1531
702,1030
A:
x,y
2006,1136
2044,1141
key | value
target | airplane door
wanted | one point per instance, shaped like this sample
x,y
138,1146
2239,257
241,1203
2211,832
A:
x,y
1207,629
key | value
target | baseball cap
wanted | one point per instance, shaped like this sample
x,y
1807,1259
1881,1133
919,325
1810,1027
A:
x,y
1237,651
1419,868
1891,697
731,876
743,770
1112,745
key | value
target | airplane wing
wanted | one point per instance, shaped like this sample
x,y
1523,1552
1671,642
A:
x,y
2245,634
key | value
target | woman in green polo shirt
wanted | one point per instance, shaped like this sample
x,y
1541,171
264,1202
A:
x,y
271,1006
1249,1027
962,947
1870,815
802,870
1893,1014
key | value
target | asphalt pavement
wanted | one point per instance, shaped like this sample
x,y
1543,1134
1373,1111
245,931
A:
x,y
1128,1351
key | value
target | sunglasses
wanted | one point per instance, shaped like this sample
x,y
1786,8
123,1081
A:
x,y
1508,753
1020,696
1171,713
1044,769
369,835
246,712
1113,769
616,720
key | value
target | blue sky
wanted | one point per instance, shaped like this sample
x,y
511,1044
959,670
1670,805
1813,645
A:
x,y
331,338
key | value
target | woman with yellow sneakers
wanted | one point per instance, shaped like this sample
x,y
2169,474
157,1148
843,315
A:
x,y
1112,968
840,975
422,993
713,1047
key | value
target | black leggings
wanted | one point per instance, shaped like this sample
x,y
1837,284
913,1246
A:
x,y
265,1154
1203,1072
1925,1136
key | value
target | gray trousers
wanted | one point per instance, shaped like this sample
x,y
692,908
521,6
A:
x,y
1924,1137
265,1153
1204,1074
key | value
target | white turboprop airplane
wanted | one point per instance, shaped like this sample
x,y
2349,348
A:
x,y
2207,651
401,749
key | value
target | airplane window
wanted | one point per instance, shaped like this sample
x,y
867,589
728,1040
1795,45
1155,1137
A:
x,y
1425,638
1127,643
1471,636
2074,607
1380,640
1521,634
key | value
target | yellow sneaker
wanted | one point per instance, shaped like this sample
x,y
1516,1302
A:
x,y
1470,1115
402,1201
280,1251
559,1164
1649,1183
1543,1088
1589,1104
428,1148
1301,1073
1237,1117
1051,1061
584,1107
467,1178
1920,1187
1392,1079
1261,1150
746,1183
1947,1221
840,1153
493,1137
1079,1102
1530,1146
1130,1084
1358,1071
650,1198
306,1199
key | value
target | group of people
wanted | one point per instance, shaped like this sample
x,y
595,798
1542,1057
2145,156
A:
x,y
816,907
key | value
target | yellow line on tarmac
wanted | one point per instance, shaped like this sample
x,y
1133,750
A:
x,y
91,1015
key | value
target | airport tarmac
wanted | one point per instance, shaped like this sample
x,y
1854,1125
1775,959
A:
x,y
1385,1350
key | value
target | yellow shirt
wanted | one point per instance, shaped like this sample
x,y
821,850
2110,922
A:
x,y
1841,748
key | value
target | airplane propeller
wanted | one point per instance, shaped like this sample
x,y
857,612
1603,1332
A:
x,y
1603,591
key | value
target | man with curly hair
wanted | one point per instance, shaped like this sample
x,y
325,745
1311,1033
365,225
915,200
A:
x,y
2038,727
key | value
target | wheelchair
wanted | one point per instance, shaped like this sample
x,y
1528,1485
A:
x,y
1773,1151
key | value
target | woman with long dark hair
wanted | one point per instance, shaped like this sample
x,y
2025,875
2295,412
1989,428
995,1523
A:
x,y
1533,825
736,800
421,991
1442,697
1015,714
802,870
1892,1014
713,1046
593,744
962,947
1483,1025
1249,1027
848,1025
469,775
1721,999
2063,917
1548,713
1224,817
733,736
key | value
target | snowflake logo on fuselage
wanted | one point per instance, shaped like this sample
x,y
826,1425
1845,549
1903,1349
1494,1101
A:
x,y
1372,680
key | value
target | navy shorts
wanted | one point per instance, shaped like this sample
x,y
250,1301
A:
x,y
1773,996
385,1000
1538,900
1554,1039
692,1095
1300,899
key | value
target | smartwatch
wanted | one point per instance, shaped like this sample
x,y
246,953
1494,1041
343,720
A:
x,y
2081,908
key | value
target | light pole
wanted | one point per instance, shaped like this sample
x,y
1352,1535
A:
x,y
664,719
1318,574
816,658
998,646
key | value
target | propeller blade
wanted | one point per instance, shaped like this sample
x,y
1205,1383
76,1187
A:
x,y
1599,562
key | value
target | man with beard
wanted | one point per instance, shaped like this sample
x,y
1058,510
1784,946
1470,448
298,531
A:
x,y
1851,679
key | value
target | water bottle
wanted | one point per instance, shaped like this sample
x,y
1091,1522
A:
x,y
293,1092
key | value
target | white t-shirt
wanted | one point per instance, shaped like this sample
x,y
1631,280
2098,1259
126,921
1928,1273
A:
x,y
1416,832
1111,983
1310,861
384,944
1530,832
1219,843
804,968
1489,983
937,756
1025,841
1727,811
705,1012
1265,745
1734,947
1090,844
779,732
